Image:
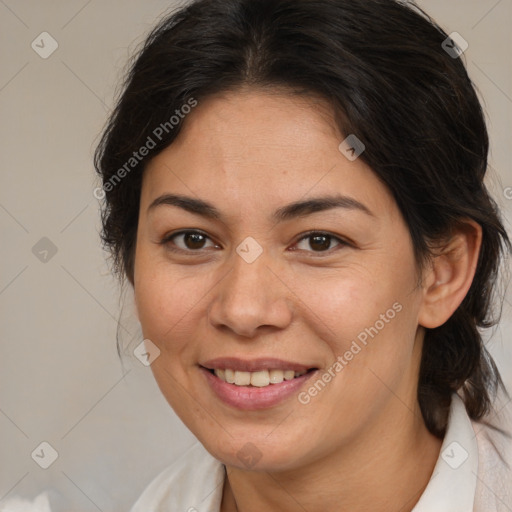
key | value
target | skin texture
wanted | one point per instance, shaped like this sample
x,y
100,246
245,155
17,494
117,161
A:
x,y
360,443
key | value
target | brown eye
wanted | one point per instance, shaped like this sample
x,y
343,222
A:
x,y
194,240
319,242
188,241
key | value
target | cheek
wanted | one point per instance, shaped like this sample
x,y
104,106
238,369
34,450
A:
x,y
370,331
347,301
166,301
367,315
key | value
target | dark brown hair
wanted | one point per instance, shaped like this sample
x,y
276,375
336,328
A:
x,y
383,67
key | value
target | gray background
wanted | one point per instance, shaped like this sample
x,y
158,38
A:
x,y
60,378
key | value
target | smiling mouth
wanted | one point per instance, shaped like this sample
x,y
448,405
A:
x,y
258,379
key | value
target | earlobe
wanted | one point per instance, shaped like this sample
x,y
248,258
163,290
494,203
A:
x,y
450,274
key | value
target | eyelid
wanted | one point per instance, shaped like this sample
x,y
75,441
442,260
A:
x,y
342,242
167,239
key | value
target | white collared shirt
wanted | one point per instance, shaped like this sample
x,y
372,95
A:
x,y
470,475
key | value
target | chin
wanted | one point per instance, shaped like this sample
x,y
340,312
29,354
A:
x,y
254,453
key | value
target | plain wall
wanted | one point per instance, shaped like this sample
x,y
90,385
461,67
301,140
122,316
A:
x,y
61,380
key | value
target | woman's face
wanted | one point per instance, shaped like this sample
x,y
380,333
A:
x,y
275,252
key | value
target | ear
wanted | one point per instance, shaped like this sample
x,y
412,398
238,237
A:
x,y
449,276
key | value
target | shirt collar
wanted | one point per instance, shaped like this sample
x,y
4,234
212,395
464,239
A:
x,y
452,485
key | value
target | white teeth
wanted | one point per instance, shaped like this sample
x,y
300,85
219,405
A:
x,y
230,376
276,376
257,379
260,379
242,378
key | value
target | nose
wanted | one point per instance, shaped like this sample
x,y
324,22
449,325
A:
x,y
250,299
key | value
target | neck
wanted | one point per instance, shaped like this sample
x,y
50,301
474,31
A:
x,y
387,468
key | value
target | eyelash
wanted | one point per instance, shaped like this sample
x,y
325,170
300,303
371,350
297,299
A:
x,y
167,241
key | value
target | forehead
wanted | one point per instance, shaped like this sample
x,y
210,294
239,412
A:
x,y
255,146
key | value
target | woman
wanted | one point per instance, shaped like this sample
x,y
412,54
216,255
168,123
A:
x,y
295,192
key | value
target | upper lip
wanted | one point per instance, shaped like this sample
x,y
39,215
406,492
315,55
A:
x,y
253,365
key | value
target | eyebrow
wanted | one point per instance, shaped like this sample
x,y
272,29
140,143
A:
x,y
288,212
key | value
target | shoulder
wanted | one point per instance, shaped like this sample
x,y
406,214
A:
x,y
494,478
193,482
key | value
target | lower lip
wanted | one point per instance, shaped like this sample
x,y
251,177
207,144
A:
x,y
254,398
